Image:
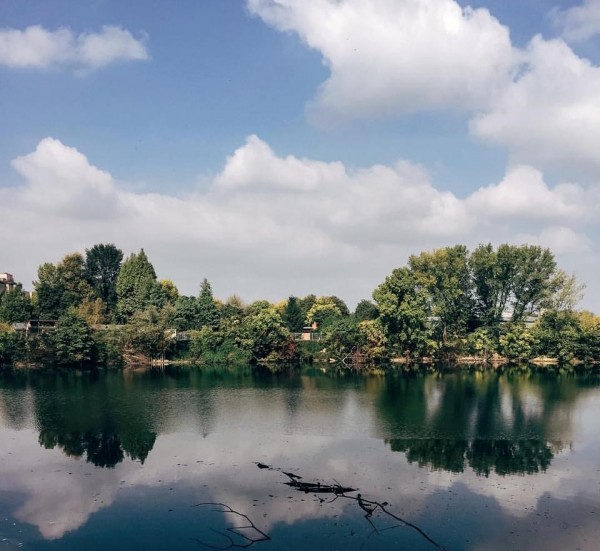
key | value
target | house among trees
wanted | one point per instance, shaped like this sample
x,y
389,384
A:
x,y
7,282
309,333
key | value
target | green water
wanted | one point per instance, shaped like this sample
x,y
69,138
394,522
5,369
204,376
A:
x,y
130,460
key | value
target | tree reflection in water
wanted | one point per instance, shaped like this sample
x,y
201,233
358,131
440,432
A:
x,y
528,456
102,449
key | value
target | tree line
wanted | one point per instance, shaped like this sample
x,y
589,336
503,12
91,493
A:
x,y
511,302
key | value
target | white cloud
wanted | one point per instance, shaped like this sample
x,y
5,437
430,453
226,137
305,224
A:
x,y
269,225
524,195
60,180
550,115
390,57
563,241
38,48
579,23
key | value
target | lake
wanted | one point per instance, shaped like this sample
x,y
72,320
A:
x,y
186,458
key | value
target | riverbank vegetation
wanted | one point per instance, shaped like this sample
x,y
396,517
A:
x,y
510,303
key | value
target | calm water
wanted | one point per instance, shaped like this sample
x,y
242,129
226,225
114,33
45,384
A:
x,y
456,461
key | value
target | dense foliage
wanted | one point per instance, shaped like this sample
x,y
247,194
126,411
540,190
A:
x,y
511,302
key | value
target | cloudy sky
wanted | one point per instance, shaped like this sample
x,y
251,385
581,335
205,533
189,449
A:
x,y
283,147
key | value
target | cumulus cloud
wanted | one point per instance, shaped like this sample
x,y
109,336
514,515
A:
x,y
550,115
272,225
60,180
39,48
579,23
390,57
523,194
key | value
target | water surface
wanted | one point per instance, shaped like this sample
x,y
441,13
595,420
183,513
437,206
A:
x,y
131,460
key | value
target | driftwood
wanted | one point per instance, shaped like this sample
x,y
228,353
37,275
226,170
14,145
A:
x,y
248,538
339,491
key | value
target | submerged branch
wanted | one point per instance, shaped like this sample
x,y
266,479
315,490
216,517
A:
x,y
237,530
369,507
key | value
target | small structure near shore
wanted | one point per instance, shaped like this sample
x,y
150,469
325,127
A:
x,y
308,333
7,282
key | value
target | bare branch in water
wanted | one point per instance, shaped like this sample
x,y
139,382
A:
x,y
368,506
237,530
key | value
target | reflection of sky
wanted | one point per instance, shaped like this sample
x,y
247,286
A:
x,y
323,436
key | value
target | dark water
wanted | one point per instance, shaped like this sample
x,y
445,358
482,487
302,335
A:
x,y
456,461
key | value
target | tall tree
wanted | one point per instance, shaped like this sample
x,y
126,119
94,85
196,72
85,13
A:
x,y
292,315
15,305
445,274
515,280
62,286
365,310
102,267
72,340
135,285
207,311
403,306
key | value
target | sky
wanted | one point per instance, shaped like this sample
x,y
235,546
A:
x,y
285,147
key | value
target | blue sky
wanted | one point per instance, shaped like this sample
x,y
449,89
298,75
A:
x,y
280,146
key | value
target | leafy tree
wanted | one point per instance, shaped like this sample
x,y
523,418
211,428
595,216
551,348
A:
x,y
534,282
343,337
62,286
92,311
341,305
559,335
185,317
292,315
403,312
444,273
375,340
306,304
264,335
232,308
323,312
135,285
516,342
72,340
482,342
365,310
520,280
207,311
15,305
12,345
102,267
169,289
149,335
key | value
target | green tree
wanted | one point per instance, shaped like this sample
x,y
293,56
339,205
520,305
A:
x,y
515,280
232,308
186,313
72,340
264,335
559,335
403,312
292,315
15,305
517,342
12,344
444,273
342,338
365,310
207,311
102,267
149,335
62,286
136,285
323,312
306,304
